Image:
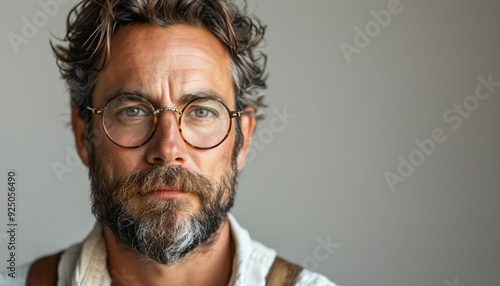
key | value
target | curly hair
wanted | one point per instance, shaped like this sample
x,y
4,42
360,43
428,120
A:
x,y
91,25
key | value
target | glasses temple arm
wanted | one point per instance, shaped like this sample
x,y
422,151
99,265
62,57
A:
x,y
243,112
94,110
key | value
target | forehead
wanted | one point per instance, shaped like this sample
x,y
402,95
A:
x,y
165,63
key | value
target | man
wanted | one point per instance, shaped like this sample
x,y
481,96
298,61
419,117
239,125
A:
x,y
164,96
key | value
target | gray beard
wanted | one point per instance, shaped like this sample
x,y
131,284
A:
x,y
160,229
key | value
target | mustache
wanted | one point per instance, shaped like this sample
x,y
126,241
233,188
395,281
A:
x,y
176,177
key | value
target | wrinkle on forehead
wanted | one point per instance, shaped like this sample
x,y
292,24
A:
x,y
155,57
181,44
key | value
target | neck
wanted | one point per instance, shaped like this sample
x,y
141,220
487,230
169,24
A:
x,y
212,263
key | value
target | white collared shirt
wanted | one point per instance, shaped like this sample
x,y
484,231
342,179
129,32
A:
x,y
84,264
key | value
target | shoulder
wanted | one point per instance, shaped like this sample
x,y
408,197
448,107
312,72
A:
x,y
254,260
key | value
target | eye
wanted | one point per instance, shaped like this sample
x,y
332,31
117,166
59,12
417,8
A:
x,y
133,111
202,112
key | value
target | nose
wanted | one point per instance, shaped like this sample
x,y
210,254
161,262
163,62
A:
x,y
166,147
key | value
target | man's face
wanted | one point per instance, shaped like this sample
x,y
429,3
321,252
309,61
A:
x,y
165,197
163,65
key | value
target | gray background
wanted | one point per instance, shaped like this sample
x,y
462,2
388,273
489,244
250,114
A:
x,y
321,177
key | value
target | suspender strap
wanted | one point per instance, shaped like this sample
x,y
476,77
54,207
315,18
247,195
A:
x,y
283,273
43,272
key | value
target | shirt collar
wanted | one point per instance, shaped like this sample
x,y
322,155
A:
x,y
91,268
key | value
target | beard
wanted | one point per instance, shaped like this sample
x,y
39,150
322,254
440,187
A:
x,y
164,230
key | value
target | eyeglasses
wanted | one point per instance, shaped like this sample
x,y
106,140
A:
x,y
130,121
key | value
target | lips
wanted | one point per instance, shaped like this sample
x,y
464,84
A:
x,y
165,192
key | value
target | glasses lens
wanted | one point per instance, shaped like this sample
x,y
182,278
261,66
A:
x,y
205,123
128,120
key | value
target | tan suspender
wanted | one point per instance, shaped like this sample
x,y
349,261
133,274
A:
x,y
43,272
283,273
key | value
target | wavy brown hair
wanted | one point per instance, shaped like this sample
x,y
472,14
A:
x,y
92,23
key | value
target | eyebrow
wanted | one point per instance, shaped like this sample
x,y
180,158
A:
x,y
210,94
183,100
125,91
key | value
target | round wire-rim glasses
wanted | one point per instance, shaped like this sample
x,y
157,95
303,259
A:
x,y
207,121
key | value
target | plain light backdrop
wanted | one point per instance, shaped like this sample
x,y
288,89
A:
x,y
358,93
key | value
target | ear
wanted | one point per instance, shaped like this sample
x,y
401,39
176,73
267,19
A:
x,y
79,130
247,124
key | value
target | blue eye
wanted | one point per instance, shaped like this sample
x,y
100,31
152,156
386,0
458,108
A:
x,y
202,113
133,111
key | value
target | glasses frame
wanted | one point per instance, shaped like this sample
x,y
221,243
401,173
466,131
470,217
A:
x,y
156,112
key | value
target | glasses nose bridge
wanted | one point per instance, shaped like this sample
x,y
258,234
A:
x,y
173,109
159,110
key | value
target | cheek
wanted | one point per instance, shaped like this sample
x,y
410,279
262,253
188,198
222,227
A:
x,y
215,162
224,158
115,162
